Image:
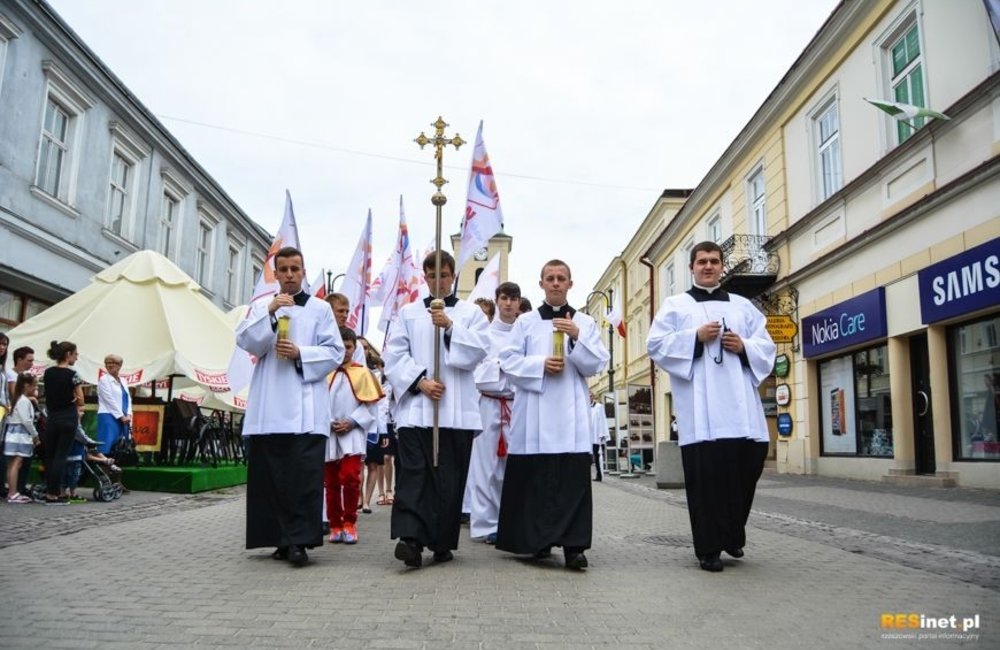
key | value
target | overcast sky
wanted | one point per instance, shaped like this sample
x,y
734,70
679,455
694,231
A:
x,y
591,108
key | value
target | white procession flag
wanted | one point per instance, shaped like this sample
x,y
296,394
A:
x,y
483,216
401,284
489,280
358,279
241,365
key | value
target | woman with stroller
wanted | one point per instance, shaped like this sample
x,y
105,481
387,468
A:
x,y
63,395
114,409
22,437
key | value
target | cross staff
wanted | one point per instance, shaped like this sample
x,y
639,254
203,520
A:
x,y
439,141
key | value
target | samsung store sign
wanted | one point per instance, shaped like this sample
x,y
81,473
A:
x,y
851,322
961,284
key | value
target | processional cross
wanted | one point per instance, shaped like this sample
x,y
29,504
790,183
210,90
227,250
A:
x,y
439,141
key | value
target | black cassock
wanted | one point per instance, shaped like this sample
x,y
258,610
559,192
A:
x,y
285,490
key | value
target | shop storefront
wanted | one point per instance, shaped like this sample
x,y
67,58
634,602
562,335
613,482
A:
x,y
962,295
848,343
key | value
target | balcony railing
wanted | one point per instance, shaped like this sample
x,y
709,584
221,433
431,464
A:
x,y
747,268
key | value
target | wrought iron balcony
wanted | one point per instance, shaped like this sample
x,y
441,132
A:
x,y
747,268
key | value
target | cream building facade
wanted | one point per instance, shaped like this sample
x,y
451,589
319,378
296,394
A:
x,y
877,240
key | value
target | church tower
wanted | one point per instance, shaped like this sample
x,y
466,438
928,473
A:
x,y
499,243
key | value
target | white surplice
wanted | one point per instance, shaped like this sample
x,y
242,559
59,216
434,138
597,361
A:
x,y
713,400
283,399
551,413
345,406
409,353
486,469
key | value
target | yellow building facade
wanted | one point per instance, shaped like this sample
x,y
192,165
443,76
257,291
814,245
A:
x,y
873,244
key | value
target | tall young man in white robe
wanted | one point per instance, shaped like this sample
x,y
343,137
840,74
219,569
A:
x,y
716,348
547,497
288,412
489,451
427,508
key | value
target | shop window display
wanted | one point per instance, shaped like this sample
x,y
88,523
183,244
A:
x,y
856,405
975,354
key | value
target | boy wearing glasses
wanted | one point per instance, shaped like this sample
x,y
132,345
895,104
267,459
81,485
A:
x,y
427,508
716,348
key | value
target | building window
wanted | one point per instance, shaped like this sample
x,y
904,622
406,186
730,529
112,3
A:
x,y
686,251
118,196
669,283
234,273
757,220
126,155
256,270
715,229
8,32
61,134
54,148
831,176
907,77
855,404
16,308
203,263
975,390
170,208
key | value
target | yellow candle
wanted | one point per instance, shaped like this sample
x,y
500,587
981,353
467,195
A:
x,y
284,323
558,343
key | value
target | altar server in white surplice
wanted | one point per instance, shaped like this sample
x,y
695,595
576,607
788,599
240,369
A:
x,y
716,348
489,451
599,424
547,498
288,412
427,507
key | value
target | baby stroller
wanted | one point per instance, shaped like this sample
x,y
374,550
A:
x,y
103,472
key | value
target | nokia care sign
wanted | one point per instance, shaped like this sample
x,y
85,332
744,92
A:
x,y
961,284
851,322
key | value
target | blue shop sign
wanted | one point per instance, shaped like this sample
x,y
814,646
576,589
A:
x,y
961,284
785,424
858,320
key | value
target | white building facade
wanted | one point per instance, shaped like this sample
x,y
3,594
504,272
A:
x,y
88,176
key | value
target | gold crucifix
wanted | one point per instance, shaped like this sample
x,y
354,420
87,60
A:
x,y
439,141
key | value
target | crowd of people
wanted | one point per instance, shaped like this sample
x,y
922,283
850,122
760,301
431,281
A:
x,y
473,413
54,432
480,413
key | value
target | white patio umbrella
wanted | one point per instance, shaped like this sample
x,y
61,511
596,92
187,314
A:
x,y
146,310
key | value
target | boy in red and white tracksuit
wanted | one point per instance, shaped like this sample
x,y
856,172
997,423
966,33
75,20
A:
x,y
354,395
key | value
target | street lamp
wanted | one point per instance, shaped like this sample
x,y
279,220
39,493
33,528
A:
x,y
330,283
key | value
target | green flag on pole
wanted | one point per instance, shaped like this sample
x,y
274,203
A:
x,y
903,112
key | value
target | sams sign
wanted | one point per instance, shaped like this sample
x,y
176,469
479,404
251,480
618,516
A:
x,y
851,322
961,284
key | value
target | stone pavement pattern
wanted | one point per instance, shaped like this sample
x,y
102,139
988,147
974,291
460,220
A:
x,y
163,571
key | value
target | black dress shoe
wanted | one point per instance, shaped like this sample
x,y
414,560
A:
x,y
543,554
711,562
576,560
409,553
443,556
326,528
297,555
736,552
598,479
280,553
